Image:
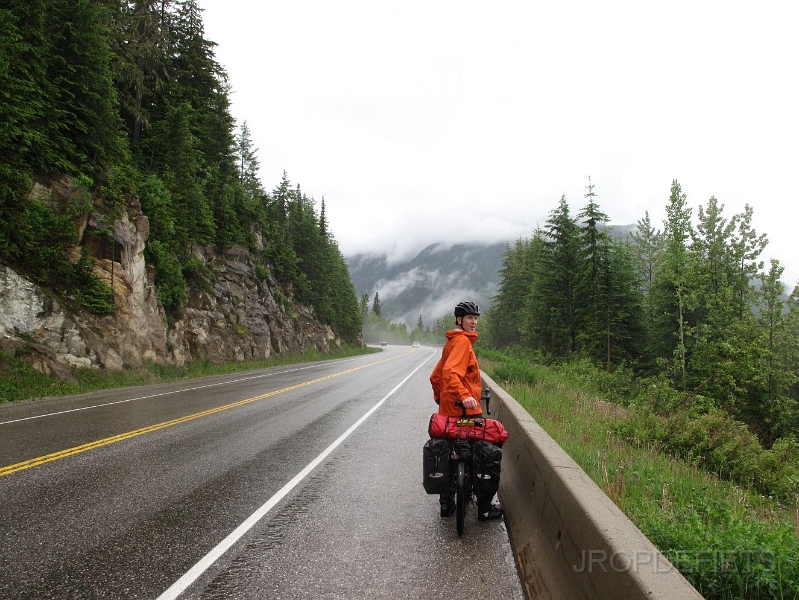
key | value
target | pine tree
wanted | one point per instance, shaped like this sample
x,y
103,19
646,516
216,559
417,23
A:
x,y
376,304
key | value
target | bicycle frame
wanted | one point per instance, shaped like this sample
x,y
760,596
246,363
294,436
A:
x,y
461,455
461,486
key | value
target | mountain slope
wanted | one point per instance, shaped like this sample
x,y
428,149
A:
x,y
431,283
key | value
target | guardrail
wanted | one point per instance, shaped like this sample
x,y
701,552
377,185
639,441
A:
x,y
569,539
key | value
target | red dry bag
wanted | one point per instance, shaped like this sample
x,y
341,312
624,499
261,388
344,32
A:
x,y
467,428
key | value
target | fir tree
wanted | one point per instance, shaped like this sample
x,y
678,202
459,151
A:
x,y
592,277
555,296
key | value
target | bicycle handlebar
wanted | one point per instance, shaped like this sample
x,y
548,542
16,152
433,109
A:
x,y
485,399
486,395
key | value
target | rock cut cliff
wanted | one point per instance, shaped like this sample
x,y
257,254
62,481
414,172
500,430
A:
x,y
237,313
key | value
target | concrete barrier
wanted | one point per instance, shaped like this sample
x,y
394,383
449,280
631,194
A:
x,y
569,539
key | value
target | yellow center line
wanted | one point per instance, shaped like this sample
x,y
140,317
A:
x,y
33,462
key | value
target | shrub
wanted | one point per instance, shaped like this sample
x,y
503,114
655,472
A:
x,y
778,470
199,274
168,279
97,298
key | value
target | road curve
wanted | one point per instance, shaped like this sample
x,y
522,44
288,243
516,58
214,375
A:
x,y
290,482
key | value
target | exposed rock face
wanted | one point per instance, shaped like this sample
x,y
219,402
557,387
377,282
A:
x,y
236,315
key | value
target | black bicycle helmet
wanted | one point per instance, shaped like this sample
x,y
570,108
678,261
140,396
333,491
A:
x,y
467,308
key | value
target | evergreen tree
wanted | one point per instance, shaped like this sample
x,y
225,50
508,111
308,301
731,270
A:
x,y
376,304
278,247
621,306
364,306
507,307
182,173
248,163
304,235
25,102
84,113
141,65
345,315
647,248
555,294
535,315
592,278
324,228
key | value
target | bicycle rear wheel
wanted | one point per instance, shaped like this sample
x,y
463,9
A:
x,y
460,499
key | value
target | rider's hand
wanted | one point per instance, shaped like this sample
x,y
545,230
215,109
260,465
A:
x,y
469,403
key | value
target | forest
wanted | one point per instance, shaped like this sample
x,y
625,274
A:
x,y
127,98
689,312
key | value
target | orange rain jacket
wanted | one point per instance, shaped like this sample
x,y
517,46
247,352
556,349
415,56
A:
x,y
456,376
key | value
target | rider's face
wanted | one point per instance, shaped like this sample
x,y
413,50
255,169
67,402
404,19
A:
x,y
469,322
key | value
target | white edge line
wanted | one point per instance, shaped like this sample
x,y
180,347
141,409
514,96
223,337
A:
x,y
209,559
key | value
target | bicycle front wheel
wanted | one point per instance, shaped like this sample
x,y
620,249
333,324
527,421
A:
x,y
460,496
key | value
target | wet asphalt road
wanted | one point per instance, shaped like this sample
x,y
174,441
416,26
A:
x,y
141,486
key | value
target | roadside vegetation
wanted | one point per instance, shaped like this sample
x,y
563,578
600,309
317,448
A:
x,y
665,362
718,505
20,381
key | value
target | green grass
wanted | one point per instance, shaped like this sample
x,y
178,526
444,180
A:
x,y
20,381
728,541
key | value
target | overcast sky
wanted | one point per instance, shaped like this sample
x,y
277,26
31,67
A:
x,y
435,121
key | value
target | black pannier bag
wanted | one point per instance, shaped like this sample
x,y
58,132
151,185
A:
x,y
486,459
436,466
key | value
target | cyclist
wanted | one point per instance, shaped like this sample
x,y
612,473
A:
x,y
456,377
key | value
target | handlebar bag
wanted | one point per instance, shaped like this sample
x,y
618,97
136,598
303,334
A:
x,y
467,428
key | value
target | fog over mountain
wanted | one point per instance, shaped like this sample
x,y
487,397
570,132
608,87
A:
x,y
433,281
429,284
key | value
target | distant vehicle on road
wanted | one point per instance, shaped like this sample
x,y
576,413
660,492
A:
x,y
416,344
384,343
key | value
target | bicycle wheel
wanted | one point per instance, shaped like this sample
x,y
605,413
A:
x,y
460,499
